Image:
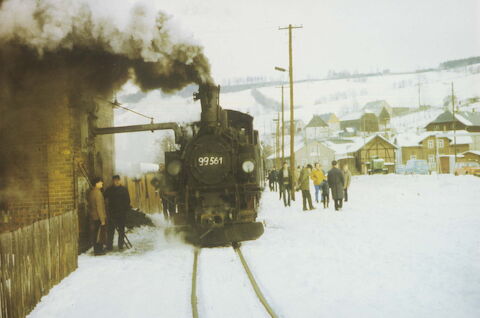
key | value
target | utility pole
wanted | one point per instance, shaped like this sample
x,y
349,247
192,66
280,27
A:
x,y
292,117
454,127
277,140
283,126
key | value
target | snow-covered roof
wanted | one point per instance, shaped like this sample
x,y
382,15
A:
x,y
353,144
462,137
475,152
316,121
326,117
409,139
466,118
377,107
352,116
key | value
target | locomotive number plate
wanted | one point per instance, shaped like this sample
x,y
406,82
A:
x,y
210,161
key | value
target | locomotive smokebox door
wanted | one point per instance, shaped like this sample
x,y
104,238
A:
x,y
210,160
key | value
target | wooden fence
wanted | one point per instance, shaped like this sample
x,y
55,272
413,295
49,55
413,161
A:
x,y
33,259
143,195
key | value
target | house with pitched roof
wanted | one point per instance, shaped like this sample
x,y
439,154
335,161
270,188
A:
x,y
332,121
317,129
360,151
437,148
360,121
382,110
468,121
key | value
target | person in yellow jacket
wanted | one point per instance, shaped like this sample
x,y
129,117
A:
x,y
317,177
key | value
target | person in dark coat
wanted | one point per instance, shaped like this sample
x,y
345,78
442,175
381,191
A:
x,y
97,216
304,185
272,180
286,184
336,182
118,200
325,194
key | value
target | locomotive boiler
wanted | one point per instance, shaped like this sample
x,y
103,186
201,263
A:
x,y
217,176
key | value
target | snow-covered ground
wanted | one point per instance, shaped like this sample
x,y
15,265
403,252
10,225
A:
x,y
403,246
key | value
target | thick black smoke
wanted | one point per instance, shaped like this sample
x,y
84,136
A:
x,y
53,51
95,54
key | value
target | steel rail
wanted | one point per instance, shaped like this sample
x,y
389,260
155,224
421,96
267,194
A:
x,y
254,284
193,297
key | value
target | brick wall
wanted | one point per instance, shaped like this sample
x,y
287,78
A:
x,y
42,146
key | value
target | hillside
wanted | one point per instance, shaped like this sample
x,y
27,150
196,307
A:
x,y
340,96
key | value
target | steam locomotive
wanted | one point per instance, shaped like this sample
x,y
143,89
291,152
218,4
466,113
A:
x,y
217,175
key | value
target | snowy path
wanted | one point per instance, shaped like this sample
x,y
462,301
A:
x,y
404,246
153,280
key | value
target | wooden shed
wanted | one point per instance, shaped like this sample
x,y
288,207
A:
x,y
375,147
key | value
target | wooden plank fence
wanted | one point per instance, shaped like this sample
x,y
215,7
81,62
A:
x,y
33,259
143,195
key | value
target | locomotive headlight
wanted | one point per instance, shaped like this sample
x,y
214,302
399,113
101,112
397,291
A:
x,y
174,167
248,166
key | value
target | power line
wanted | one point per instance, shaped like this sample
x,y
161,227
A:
x,y
115,103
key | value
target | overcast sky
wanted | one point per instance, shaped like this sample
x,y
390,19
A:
x,y
241,38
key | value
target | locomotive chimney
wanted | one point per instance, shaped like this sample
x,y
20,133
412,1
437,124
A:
x,y
209,99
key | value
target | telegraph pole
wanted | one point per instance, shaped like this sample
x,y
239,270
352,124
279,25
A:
x,y
283,126
277,140
283,129
292,118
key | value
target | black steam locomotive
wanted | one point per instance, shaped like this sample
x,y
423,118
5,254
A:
x,y
217,176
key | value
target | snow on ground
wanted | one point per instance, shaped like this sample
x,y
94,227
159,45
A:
x,y
403,246
152,280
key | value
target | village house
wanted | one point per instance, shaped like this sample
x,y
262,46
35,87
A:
x,y
437,148
360,121
382,110
317,128
332,121
375,116
358,152
468,121
470,156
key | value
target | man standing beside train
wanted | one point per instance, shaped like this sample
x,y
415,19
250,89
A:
x,y
118,205
336,181
97,216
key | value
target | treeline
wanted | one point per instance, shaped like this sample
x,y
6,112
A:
x,y
460,62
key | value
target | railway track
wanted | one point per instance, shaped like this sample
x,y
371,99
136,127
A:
x,y
251,278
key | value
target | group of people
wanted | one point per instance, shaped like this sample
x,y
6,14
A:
x,y
107,214
337,181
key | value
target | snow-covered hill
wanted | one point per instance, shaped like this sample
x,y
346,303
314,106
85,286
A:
x,y
341,96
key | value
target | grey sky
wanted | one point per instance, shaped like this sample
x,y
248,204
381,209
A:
x,y
241,37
